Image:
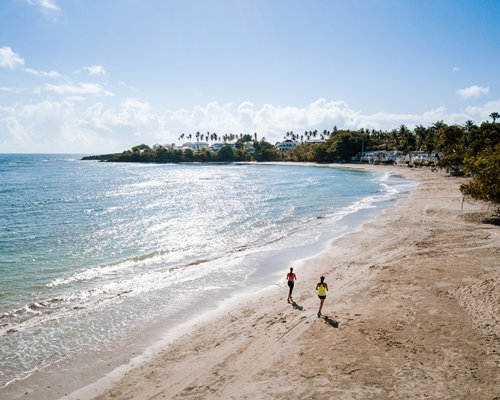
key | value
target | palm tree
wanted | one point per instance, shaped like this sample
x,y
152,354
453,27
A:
x,y
405,136
438,125
469,125
494,116
469,128
421,135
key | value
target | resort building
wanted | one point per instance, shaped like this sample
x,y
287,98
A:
x,y
383,156
168,146
420,158
286,145
195,146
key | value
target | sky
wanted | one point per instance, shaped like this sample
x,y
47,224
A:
x,y
83,76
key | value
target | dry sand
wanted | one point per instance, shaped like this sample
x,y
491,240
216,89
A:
x,y
412,313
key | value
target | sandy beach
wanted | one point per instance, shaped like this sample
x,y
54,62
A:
x,y
412,313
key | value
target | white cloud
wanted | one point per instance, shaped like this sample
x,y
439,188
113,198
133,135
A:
x,y
269,120
48,74
52,126
96,70
81,89
484,111
131,118
93,70
12,90
48,7
72,126
456,69
473,91
126,86
33,126
13,61
9,59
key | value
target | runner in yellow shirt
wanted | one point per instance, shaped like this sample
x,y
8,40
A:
x,y
322,288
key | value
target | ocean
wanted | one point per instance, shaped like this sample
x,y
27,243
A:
x,y
95,255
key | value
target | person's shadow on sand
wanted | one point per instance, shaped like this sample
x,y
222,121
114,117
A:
x,y
297,306
330,321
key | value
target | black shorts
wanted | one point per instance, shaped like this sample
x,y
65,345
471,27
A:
x,y
290,284
322,297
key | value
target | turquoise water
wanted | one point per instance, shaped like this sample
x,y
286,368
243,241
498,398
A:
x,y
93,253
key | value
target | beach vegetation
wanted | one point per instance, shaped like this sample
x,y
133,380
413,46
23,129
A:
x,y
485,169
482,162
450,142
226,153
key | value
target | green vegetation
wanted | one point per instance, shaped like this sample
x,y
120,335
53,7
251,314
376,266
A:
x,y
461,150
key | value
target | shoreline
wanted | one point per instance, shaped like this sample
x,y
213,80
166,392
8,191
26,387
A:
x,y
91,366
251,348
412,292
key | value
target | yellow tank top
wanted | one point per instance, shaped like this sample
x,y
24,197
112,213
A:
x,y
321,290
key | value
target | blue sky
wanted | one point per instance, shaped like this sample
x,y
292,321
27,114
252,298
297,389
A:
x,y
98,76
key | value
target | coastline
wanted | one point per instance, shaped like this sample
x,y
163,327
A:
x,y
411,311
411,314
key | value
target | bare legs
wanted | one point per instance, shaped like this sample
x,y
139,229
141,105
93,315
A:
x,y
321,301
290,292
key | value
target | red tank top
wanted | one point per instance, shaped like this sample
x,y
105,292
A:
x,y
291,276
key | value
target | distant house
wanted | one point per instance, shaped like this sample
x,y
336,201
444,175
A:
x,y
217,146
314,141
170,146
286,145
422,158
383,156
195,146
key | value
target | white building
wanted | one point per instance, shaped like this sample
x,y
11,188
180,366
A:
x,y
382,156
168,146
422,158
195,146
286,145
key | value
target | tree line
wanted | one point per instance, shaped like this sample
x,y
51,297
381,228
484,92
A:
x,y
461,149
